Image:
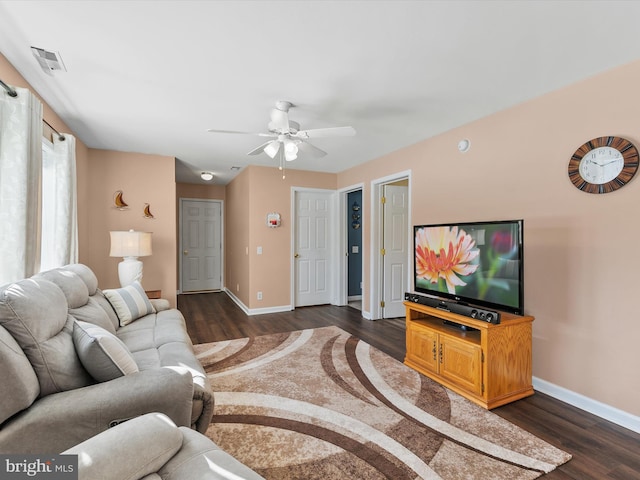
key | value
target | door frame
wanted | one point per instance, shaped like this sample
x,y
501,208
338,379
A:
x,y
375,260
343,247
334,277
181,200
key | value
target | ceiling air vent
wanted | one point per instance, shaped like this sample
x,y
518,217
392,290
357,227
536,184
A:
x,y
49,61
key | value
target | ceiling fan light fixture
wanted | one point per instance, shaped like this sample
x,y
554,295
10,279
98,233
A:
x,y
206,176
289,157
290,150
272,149
290,147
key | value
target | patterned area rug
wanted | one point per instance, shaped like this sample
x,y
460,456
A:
x,y
321,404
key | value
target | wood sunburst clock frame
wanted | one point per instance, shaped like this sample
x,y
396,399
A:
x,y
603,165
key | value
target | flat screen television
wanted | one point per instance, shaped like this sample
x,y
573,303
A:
x,y
479,263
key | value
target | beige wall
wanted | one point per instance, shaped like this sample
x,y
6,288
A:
x,y
143,179
254,193
581,267
236,241
190,190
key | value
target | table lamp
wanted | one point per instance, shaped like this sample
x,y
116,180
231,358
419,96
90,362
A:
x,y
130,245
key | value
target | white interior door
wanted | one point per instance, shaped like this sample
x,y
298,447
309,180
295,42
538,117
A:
x,y
201,241
313,262
395,241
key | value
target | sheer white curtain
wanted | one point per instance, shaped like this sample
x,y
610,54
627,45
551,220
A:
x,y
59,206
20,167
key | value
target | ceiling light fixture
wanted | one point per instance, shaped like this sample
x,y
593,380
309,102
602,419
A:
x,y
206,176
272,148
290,150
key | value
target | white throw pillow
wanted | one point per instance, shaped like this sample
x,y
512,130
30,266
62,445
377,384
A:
x,y
101,353
130,302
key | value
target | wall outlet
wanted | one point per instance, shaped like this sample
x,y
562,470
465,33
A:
x,y
259,250
259,295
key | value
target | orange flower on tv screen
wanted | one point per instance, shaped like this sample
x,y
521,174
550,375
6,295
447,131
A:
x,y
445,253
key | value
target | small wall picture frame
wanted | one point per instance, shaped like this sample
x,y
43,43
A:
x,y
273,220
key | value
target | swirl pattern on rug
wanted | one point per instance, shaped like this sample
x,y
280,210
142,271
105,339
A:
x,y
322,404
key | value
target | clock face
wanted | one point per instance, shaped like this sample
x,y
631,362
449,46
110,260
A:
x,y
603,165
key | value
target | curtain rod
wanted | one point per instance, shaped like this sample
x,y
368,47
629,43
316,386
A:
x,y
13,93
10,91
60,136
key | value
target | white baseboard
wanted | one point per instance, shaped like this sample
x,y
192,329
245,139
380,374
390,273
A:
x,y
256,311
261,311
602,410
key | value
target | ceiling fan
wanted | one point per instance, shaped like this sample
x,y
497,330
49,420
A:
x,y
288,140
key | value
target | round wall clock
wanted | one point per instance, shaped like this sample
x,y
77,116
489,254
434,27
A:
x,y
603,165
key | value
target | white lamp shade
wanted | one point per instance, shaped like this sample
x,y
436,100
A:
x,y
130,244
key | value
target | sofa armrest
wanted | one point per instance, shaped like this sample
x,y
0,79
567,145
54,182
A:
x,y
130,450
59,421
200,458
205,397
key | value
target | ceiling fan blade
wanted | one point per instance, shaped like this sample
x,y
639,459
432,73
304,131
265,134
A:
x,y
306,148
259,149
326,132
279,121
213,130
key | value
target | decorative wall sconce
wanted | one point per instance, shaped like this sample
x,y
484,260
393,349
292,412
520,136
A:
x,y
147,211
273,220
119,202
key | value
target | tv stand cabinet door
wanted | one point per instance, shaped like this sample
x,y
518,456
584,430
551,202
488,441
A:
x,y
461,364
422,348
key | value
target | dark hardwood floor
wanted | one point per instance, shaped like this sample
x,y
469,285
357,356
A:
x,y
600,449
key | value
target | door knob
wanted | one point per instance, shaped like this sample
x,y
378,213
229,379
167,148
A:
x,y
186,252
296,255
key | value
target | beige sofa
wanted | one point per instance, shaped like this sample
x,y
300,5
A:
x,y
60,383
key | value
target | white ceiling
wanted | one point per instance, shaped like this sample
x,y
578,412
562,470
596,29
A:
x,y
152,77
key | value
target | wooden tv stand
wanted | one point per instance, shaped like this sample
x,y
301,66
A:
x,y
488,364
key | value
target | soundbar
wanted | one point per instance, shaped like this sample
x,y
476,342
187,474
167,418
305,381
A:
x,y
489,316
